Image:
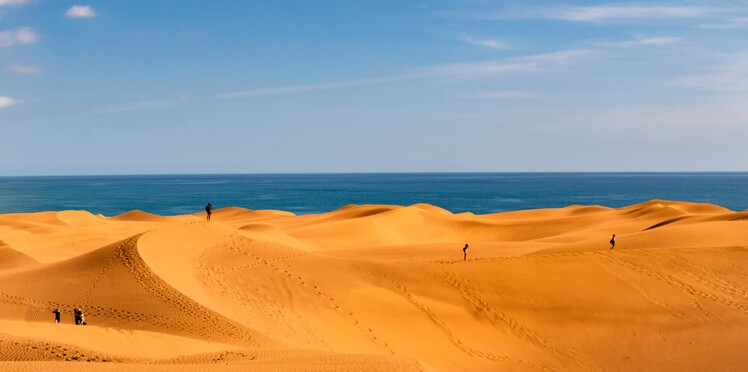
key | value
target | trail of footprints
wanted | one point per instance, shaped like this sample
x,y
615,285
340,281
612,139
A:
x,y
470,294
675,313
204,322
215,278
442,326
19,349
729,290
692,293
237,241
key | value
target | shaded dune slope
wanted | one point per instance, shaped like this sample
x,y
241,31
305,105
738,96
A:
x,y
11,258
116,289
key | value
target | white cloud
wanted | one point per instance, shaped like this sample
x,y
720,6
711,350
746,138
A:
x,y
648,41
488,43
741,22
23,35
24,69
6,102
13,2
80,11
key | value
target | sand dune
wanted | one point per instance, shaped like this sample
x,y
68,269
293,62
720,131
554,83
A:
x,y
378,287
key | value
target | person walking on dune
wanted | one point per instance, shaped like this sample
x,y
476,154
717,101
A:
x,y
56,311
464,252
209,210
77,316
613,242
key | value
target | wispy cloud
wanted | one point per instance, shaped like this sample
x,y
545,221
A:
x,y
605,13
647,41
312,87
741,22
463,71
454,70
13,2
6,102
499,94
24,69
732,77
622,12
470,70
142,105
487,43
482,69
23,35
81,11
559,56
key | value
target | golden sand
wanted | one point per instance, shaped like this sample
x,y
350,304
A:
x,y
378,288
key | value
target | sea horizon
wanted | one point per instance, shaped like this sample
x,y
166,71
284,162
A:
x,y
362,172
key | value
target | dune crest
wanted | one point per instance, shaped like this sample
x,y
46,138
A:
x,y
378,288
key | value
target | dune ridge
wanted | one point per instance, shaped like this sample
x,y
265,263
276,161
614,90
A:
x,y
378,287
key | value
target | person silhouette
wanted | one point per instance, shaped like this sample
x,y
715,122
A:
x,y
209,210
464,252
56,311
613,242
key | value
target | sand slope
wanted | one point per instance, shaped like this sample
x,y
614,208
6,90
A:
x,y
378,287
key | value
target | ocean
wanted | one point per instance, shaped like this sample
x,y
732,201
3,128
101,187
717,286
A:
x,y
479,193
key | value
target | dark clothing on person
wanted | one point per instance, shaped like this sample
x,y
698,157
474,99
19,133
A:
x,y
57,315
209,210
77,315
464,253
613,242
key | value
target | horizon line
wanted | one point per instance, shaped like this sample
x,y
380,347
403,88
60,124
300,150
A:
x,y
365,173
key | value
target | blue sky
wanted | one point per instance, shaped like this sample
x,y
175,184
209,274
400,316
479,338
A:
x,y
138,86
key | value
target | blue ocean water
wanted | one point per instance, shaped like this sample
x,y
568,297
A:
x,y
317,193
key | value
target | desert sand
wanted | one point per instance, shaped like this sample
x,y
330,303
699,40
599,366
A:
x,y
378,288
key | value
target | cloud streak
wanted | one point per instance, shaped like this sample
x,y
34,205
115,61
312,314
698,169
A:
x,y
310,87
732,78
80,11
486,43
628,12
6,102
462,71
23,35
648,41
471,70
605,13
13,2
741,22
24,69
499,94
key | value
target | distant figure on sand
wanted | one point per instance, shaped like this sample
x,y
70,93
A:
x,y
56,311
613,242
464,252
77,316
209,210
82,317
